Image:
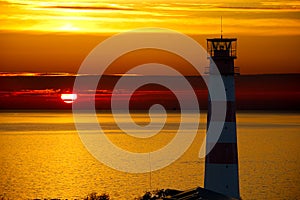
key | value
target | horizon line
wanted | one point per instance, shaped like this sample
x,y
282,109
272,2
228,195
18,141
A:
x,y
29,74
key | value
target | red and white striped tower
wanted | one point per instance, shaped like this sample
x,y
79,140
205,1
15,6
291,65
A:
x,y
221,163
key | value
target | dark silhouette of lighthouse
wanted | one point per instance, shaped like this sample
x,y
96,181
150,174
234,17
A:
x,y
221,163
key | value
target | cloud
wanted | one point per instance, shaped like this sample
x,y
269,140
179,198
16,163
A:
x,y
89,7
7,3
254,8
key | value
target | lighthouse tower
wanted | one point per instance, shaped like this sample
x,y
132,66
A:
x,y
221,163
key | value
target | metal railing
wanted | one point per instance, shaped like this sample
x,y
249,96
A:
x,y
208,71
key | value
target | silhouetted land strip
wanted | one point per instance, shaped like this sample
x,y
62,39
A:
x,y
163,194
253,92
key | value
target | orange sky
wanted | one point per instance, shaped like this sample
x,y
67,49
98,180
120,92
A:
x,y
52,36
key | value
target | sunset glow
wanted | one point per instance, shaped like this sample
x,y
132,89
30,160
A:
x,y
61,33
189,16
151,99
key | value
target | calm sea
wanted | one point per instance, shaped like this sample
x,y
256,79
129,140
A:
x,y
42,156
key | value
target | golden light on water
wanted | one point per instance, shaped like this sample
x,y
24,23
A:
x,y
46,159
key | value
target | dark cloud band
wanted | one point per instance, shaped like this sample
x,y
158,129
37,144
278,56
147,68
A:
x,y
88,7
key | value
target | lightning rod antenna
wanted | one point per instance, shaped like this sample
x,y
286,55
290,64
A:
x,y
221,28
150,170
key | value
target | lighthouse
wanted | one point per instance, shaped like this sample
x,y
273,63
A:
x,y
221,162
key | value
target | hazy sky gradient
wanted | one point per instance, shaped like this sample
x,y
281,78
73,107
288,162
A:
x,y
56,35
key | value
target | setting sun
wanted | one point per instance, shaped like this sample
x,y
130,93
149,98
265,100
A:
x,y
68,98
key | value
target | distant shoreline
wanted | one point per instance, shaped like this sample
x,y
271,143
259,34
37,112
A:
x,y
25,73
253,92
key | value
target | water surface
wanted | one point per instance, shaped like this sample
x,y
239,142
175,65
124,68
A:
x,y
42,156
